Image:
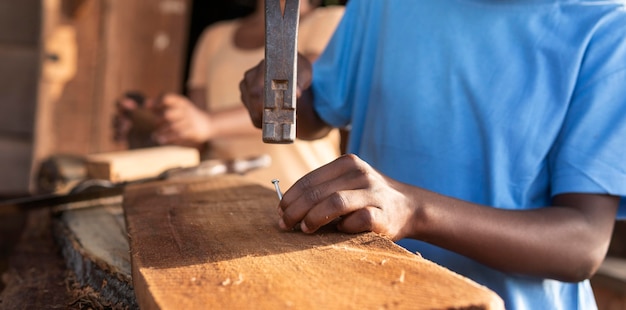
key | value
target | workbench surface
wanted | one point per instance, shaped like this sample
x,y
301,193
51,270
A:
x,y
216,244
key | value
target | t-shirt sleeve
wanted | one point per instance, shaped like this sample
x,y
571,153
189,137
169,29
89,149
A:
x,y
342,67
590,153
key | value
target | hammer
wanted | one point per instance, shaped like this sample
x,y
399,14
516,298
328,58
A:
x,y
281,41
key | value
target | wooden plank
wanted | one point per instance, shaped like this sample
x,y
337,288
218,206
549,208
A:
x,y
140,163
215,244
71,85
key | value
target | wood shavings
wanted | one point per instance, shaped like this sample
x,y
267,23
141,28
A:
x,y
239,280
373,262
369,252
228,281
400,280
364,259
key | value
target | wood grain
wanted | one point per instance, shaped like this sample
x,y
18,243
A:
x,y
215,244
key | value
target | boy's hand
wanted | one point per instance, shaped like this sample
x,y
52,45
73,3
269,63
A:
x,y
354,194
251,87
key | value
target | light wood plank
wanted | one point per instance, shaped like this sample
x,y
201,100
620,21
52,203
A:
x,y
215,244
140,163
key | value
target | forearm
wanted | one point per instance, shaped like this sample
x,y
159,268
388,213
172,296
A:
x,y
565,243
231,123
198,97
226,123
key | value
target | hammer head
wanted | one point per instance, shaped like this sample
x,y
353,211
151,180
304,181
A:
x,y
281,41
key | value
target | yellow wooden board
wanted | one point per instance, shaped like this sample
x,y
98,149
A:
x,y
215,244
138,164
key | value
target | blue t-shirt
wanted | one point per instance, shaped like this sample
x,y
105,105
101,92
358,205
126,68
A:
x,y
501,103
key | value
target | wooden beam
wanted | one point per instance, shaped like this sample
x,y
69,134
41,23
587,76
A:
x,y
215,244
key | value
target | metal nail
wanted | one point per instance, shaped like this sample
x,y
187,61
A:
x,y
278,192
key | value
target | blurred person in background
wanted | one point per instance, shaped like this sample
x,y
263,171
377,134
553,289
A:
x,y
212,116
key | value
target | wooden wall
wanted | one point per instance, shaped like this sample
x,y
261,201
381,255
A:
x,y
67,63
123,45
19,69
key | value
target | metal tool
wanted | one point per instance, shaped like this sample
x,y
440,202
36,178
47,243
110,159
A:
x,y
280,197
278,192
91,189
281,42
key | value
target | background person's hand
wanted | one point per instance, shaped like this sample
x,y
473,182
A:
x,y
182,123
134,121
122,122
252,87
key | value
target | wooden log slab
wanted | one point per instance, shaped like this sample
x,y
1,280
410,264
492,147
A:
x,y
95,248
215,244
